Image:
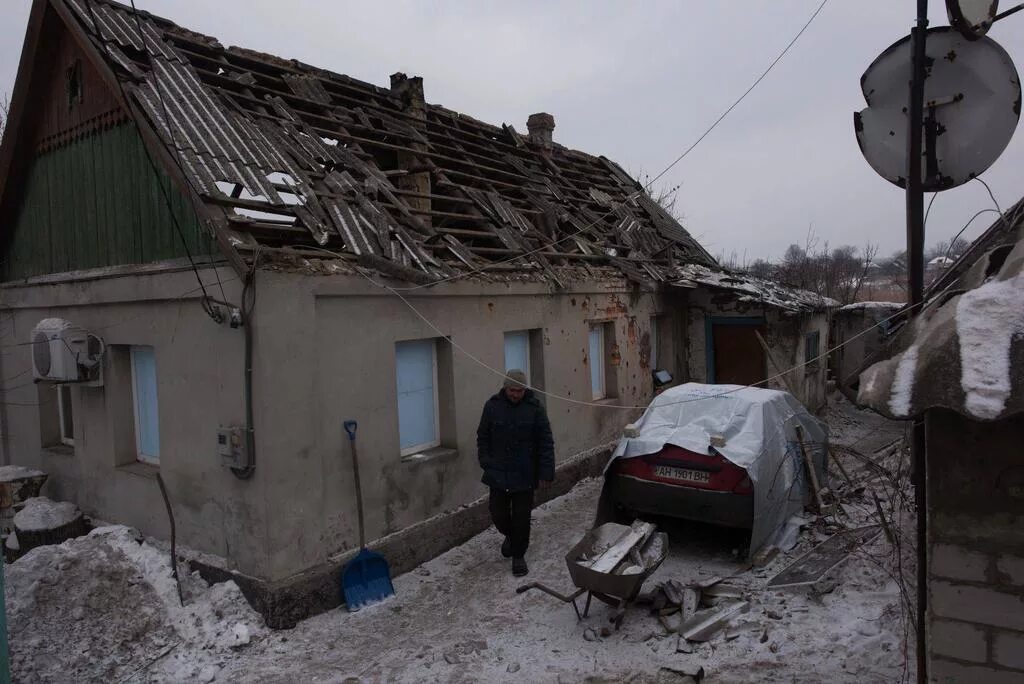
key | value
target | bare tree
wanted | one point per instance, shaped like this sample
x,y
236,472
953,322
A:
x,y
838,273
5,110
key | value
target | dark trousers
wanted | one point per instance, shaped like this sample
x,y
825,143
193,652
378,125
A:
x,y
510,512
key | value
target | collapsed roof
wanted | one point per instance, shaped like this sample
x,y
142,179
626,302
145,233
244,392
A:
x,y
752,289
965,351
280,154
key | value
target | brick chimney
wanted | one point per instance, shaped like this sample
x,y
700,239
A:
x,y
409,92
541,126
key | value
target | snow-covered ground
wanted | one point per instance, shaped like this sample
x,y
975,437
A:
x,y
105,607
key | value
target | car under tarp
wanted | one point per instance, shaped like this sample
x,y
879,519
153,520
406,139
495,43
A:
x,y
756,429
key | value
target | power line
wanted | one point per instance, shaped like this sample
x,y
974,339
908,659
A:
x,y
580,402
743,96
650,182
125,320
167,119
152,163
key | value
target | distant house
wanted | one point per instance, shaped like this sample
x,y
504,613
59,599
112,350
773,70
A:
x,y
174,199
859,335
960,367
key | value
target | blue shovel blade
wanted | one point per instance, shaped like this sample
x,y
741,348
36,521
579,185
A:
x,y
366,579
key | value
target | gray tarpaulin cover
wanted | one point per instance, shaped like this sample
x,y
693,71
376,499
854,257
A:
x,y
759,429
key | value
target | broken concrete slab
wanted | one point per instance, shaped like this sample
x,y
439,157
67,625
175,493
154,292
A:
x,y
706,623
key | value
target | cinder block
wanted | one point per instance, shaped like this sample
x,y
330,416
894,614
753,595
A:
x,y
1012,567
948,672
975,604
1008,649
956,562
959,640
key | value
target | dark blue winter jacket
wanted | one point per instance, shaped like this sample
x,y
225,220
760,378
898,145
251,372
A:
x,y
514,443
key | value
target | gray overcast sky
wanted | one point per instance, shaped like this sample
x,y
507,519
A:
x,y
639,82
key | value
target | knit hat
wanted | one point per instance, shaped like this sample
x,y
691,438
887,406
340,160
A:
x,y
515,378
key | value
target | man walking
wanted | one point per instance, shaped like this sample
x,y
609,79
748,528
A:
x,y
516,452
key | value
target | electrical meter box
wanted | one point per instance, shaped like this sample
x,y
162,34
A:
x,y
231,447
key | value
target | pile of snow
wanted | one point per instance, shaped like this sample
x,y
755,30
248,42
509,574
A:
x,y
988,319
874,306
40,514
104,606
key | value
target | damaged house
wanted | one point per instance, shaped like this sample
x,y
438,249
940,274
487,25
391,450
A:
x,y
241,252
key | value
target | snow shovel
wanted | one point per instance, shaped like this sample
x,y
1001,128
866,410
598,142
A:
x,y
366,578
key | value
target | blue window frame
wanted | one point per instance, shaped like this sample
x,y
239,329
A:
x,y
144,398
416,381
517,352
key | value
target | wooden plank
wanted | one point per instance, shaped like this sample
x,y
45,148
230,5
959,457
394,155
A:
x,y
705,623
810,469
618,551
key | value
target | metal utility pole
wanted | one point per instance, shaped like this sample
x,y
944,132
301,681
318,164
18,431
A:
x,y
915,267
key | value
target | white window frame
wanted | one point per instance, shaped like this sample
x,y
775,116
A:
x,y
68,439
598,362
529,362
436,442
139,455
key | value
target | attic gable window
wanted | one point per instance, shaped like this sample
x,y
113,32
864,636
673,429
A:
x,y
74,83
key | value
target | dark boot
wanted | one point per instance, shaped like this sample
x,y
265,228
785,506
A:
x,y
519,567
506,548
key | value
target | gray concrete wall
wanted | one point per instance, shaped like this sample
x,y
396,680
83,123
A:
x,y
861,336
324,353
332,358
785,336
199,376
976,549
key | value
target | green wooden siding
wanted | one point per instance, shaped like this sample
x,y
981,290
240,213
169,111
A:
x,y
97,202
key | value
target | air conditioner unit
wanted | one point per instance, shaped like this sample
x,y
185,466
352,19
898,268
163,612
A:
x,y
63,352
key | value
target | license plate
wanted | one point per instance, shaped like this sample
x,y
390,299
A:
x,y
682,474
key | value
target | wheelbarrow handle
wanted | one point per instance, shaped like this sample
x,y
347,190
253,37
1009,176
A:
x,y
551,592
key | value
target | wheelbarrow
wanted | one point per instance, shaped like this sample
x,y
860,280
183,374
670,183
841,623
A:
x,y
616,583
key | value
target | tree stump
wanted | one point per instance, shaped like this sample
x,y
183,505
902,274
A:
x,y
43,522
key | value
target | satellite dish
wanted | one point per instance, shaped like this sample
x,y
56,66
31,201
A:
x,y
972,98
972,18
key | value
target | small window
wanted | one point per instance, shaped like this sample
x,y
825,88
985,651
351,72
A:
x,y
144,399
598,386
416,381
517,352
67,418
811,347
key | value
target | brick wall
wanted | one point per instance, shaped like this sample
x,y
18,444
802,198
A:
x,y
976,550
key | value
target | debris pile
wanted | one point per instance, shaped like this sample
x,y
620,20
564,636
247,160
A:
x,y
696,611
105,607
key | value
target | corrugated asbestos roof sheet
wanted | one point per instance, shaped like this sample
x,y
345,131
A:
x,y
288,155
966,350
